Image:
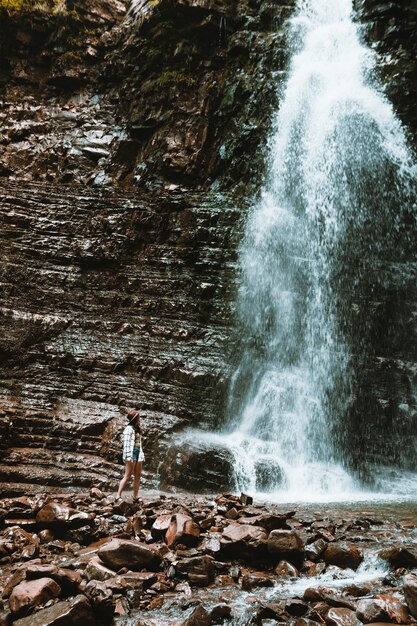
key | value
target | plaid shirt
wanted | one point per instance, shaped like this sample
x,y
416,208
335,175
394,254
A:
x,y
129,439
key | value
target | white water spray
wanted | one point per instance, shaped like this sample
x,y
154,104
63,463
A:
x,y
336,143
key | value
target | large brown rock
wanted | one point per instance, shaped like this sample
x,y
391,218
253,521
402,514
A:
x,y
184,530
383,608
343,554
31,593
199,570
410,592
74,612
286,545
56,514
342,617
198,617
244,541
400,556
134,555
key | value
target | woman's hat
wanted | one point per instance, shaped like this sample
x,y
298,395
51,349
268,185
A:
x,y
133,413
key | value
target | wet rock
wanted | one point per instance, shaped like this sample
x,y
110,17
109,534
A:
x,y
96,570
220,613
296,607
314,550
244,541
160,526
410,592
55,514
383,608
400,556
342,617
343,554
184,530
199,570
253,580
19,540
29,594
286,570
269,475
139,580
271,610
101,599
5,618
199,466
134,555
330,596
286,545
198,617
76,612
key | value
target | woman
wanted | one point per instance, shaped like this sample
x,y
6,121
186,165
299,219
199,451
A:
x,y
133,456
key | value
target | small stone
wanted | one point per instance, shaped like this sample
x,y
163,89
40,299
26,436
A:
x,y
284,569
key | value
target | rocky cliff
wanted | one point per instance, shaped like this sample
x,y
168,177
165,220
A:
x,y
131,143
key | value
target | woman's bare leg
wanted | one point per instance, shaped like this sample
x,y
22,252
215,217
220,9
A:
x,y
137,470
128,474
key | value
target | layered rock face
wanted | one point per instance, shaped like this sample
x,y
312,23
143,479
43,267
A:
x,y
109,301
114,298
169,93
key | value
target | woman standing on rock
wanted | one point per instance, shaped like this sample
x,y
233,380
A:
x,y
133,456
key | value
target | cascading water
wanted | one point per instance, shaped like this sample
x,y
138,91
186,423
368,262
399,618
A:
x,y
339,170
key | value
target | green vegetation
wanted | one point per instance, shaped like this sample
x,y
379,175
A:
x,y
175,77
38,6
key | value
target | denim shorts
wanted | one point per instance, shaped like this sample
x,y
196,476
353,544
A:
x,y
138,455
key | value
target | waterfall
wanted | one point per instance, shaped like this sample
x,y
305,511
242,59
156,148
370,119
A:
x,y
339,172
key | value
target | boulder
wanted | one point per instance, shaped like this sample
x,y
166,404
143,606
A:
x,y
74,612
54,514
315,550
284,569
286,545
342,617
410,592
161,525
132,554
184,530
383,608
296,607
220,613
139,580
400,556
199,617
101,598
269,475
31,593
244,541
199,570
96,570
344,554
253,580
198,466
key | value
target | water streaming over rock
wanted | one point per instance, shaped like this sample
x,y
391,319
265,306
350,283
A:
x,y
332,209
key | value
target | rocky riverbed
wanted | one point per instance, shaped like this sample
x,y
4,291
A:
x,y
89,558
